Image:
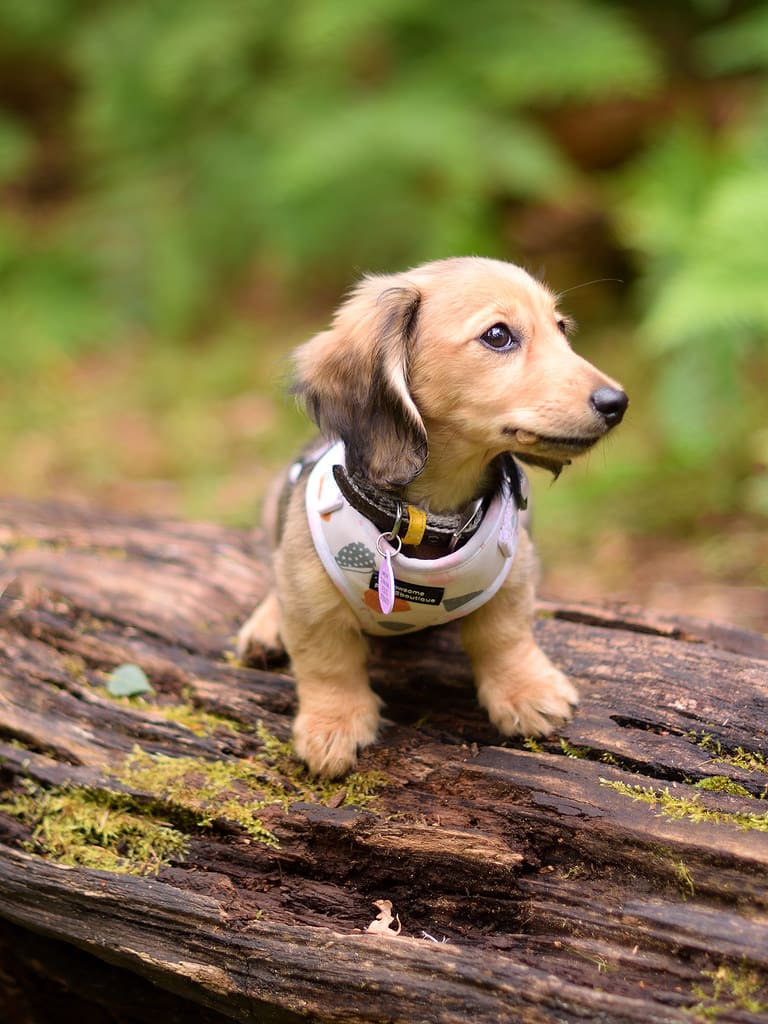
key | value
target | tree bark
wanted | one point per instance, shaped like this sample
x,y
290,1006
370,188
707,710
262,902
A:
x,y
587,877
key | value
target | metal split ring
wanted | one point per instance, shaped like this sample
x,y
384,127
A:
x,y
389,537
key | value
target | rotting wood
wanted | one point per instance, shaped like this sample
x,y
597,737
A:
x,y
560,897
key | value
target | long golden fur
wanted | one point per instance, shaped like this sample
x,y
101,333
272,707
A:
x,y
406,377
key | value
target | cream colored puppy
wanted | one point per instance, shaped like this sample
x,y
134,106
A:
x,y
431,379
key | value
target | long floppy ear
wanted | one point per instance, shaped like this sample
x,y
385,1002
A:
x,y
354,381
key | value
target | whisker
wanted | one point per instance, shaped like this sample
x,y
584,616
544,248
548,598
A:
x,y
586,284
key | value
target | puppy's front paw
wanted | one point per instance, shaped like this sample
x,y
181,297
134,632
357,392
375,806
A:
x,y
258,642
328,741
534,706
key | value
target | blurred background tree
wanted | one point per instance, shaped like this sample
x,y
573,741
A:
x,y
187,188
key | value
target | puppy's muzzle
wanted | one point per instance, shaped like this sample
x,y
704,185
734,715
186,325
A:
x,y
610,404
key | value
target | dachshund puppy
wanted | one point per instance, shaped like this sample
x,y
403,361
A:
x,y
429,388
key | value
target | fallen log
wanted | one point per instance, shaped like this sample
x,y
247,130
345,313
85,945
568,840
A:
x,y
163,854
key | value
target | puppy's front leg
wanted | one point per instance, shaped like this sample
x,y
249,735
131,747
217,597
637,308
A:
x,y
517,684
338,712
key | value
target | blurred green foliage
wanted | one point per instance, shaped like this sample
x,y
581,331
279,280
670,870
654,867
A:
x,y
169,171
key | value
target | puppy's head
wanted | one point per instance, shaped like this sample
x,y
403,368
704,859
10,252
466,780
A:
x,y
473,351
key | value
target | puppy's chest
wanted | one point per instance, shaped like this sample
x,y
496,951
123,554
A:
x,y
427,592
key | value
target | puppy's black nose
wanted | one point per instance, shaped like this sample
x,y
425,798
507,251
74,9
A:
x,y
610,403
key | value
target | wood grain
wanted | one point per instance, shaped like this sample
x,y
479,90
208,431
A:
x,y
552,894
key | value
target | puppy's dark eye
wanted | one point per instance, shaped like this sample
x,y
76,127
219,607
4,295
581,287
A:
x,y
566,325
500,338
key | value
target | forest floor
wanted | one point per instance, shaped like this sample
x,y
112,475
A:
x,y
669,575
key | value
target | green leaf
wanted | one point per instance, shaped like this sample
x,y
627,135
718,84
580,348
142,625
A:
x,y
128,681
738,45
534,51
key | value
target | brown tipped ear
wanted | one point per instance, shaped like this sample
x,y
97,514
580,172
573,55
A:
x,y
354,382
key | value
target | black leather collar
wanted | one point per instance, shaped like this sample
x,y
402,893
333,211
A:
x,y
390,514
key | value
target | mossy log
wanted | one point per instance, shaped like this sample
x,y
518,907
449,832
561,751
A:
x,y
617,872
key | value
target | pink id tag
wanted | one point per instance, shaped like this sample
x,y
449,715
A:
x,y
386,573
386,582
508,533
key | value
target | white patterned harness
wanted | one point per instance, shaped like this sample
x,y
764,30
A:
x,y
428,591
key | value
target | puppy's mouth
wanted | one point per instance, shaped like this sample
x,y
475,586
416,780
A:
x,y
526,441
548,451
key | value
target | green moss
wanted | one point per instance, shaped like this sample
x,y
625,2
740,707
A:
x,y
94,829
685,879
115,832
201,723
603,965
75,668
727,989
208,789
722,784
240,790
26,543
611,759
17,744
571,751
689,807
574,871
748,760
585,753
358,789
20,543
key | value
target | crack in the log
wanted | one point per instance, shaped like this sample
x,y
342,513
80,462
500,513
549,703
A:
x,y
608,621
646,725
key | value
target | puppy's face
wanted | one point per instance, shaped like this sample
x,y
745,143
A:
x,y
473,351
492,363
